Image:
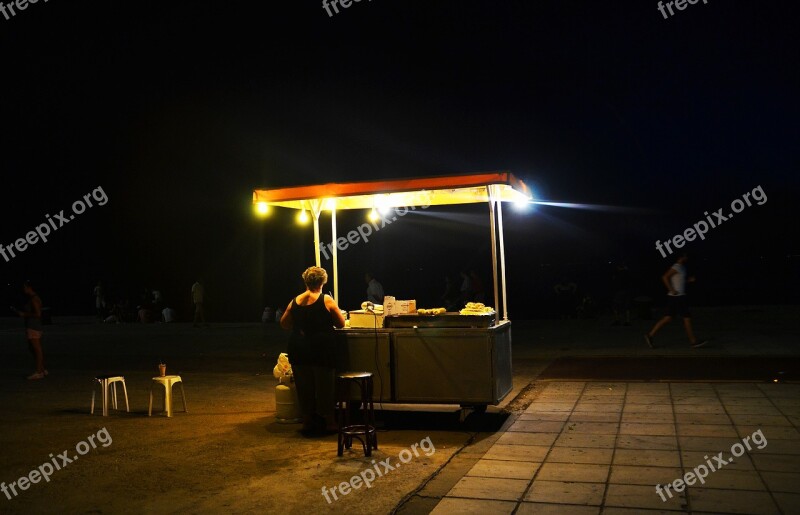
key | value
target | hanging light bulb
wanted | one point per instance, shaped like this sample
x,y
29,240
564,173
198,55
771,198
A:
x,y
373,215
302,217
262,208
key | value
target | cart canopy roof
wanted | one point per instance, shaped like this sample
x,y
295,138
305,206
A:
x,y
442,190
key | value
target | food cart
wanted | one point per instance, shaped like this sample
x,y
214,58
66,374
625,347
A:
x,y
450,358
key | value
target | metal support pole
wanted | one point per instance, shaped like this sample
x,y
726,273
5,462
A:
x,y
502,259
335,258
492,225
315,210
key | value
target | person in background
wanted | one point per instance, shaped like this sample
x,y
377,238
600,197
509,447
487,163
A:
x,y
449,298
675,280
32,315
312,316
374,289
566,292
198,295
466,289
100,300
478,291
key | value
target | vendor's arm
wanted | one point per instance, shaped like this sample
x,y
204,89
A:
x,y
336,313
286,319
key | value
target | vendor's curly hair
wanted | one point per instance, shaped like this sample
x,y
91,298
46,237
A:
x,y
314,277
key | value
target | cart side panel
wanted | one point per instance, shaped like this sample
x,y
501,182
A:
x,y
441,366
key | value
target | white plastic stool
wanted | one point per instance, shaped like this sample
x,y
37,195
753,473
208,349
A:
x,y
167,382
110,382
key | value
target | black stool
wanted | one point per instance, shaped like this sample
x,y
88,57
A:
x,y
364,432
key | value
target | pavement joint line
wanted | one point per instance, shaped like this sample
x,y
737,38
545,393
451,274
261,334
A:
x,y
614,449
760,475
512,417
521,498
688,505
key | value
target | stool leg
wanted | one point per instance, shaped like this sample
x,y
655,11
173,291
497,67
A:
x,y
168,399
150,408
365,416
104,383
183,398
340,421
113,386
125,391
91,410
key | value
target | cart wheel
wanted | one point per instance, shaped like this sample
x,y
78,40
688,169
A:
x,y
477,408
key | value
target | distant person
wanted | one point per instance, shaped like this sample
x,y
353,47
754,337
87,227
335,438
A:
x,y
32,315
374,289
312,316
622,294
168,315
158,299
465,291
675,280
198,297
478,291
100,300
566,292
449,298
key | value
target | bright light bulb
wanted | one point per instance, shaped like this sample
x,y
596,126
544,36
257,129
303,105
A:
x,y
373,215
262,208
302,217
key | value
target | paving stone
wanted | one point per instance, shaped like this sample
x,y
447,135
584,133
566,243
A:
x,y
761,409
635,511
449,505
647,418
531,508
706,443
588,473
566,493
546,416
697,400
599,428
713,430
535,426
631,475
694,408
532,453
760,420
549,406
701,418
789,503
598,407
647,458
609,387
782,481
489,488
776,432
631,428
776,462
666,443
731,501
517,438
592,416
648,389
640,496
585,440
777,446
732,480
504,469
580,455
692,459
648,408
648,399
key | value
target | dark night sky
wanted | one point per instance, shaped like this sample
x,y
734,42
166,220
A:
x,y
178,110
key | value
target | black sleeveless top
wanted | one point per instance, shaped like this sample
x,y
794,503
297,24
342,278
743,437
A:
x,y
313,337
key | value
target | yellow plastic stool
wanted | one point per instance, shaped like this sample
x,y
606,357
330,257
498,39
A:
x,y
110,382
168,382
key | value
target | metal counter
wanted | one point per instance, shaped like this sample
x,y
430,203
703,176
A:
x,y
431,365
